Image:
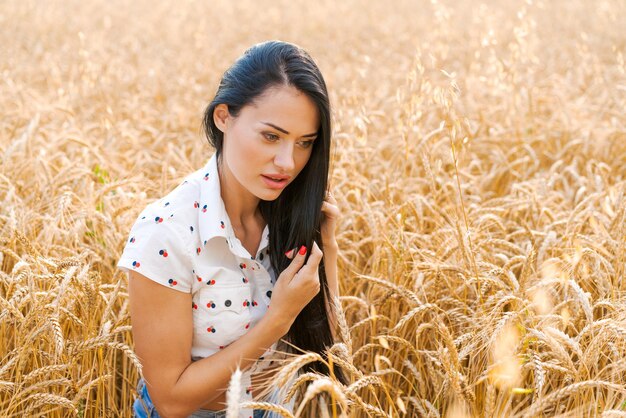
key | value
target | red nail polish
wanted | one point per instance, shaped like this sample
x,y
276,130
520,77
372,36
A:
x,y
302,250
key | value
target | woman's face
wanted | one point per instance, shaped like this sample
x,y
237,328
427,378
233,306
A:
x,y
272,137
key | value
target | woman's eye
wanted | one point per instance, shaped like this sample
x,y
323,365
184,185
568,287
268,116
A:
x,y
271,137
307,144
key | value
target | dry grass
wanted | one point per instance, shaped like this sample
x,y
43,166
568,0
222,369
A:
x,y
480,165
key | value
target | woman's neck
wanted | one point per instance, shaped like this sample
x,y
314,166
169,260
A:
x,y
241,205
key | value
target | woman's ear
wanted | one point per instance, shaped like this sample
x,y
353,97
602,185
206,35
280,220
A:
x,y
221,116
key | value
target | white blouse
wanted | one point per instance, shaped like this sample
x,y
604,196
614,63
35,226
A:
x,y
185,241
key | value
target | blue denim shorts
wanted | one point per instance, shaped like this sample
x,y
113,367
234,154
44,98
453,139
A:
x,y
144,408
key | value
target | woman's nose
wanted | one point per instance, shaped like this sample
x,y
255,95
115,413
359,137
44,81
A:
x,y
284,158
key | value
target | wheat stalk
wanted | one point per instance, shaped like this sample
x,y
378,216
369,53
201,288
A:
x,y
233,394
568,391
318,386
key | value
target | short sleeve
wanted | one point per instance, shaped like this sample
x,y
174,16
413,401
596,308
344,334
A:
x,y
155,248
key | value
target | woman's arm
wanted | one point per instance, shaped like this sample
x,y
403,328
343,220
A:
x,y
330,268
329,222
162,326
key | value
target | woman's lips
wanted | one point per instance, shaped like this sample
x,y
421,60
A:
x,y
273,183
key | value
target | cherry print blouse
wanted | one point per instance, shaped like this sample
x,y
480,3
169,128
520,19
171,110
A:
x,y
185,241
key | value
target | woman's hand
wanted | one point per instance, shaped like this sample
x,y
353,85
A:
x,y
329,222
296,286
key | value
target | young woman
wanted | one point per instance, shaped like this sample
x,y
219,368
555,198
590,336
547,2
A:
x,y
253,229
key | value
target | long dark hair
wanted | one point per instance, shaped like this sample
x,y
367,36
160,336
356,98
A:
x,y
294,217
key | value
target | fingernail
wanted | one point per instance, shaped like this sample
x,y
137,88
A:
x,y
302,250
289,253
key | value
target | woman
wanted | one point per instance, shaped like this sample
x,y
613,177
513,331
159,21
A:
x,y
254,225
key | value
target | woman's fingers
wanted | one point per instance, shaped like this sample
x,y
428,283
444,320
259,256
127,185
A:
x,y
292,269
332,211
313,262
330,198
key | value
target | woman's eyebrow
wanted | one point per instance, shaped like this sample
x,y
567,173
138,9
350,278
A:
x,y
285,132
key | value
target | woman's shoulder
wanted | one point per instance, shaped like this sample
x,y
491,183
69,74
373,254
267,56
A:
x,y
162,237
178,208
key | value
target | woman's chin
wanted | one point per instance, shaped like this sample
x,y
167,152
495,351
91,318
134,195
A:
x,y
269,195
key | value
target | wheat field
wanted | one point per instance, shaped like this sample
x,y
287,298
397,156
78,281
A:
x,y
479,162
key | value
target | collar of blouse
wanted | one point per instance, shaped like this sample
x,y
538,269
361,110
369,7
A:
x,y
213,219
